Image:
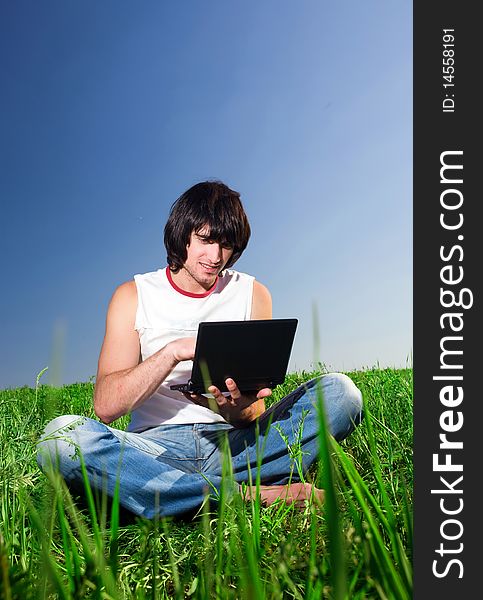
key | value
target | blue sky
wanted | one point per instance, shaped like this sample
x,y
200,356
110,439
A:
x,y
110,110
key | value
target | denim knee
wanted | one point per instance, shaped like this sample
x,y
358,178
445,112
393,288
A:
x,y
350,395
59,440
343,404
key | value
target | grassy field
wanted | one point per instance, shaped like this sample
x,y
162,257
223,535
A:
x,y
358,545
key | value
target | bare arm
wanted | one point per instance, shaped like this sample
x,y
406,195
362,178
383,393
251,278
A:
x,y
123,382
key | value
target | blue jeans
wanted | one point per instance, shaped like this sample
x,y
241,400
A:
x,y
167,470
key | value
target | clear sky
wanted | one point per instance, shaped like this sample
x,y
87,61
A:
x,y
110,110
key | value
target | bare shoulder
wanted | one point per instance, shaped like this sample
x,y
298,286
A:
x,y
120,348
121,312
261,302
126,292
261,290
124,298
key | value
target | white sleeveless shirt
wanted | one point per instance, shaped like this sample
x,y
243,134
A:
x,y
165,313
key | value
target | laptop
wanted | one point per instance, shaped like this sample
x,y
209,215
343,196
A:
x,y
255,354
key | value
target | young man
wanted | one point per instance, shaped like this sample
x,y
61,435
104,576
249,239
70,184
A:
x,y
172,447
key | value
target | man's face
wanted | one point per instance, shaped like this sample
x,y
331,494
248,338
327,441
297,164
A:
x,y
205,258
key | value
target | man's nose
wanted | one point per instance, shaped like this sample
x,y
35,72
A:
x,y
215,252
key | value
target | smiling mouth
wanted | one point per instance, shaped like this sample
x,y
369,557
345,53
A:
x,y
210,267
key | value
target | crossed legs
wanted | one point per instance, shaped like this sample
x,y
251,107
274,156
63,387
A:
x,y
167,470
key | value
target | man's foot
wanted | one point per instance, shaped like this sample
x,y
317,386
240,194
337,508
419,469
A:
x,y
294,493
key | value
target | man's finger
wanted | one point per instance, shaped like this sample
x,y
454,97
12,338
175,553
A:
x,y
232,387
217,394
264,393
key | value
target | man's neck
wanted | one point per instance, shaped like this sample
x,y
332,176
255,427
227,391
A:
x,y
184,282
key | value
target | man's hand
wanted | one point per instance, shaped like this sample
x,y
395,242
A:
x,y
183,348
123,383
238,408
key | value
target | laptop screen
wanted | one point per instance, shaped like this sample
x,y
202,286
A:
x,y
253,353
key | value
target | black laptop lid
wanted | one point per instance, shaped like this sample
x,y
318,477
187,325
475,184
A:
x,y
253,353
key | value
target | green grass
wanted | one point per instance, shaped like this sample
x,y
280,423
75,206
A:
x,y
357,546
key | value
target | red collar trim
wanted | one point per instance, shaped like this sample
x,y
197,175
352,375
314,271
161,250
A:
x,y
184,292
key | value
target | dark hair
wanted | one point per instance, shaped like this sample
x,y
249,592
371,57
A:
x,y
210,204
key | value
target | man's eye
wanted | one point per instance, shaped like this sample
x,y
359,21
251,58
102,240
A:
x,y
224,245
